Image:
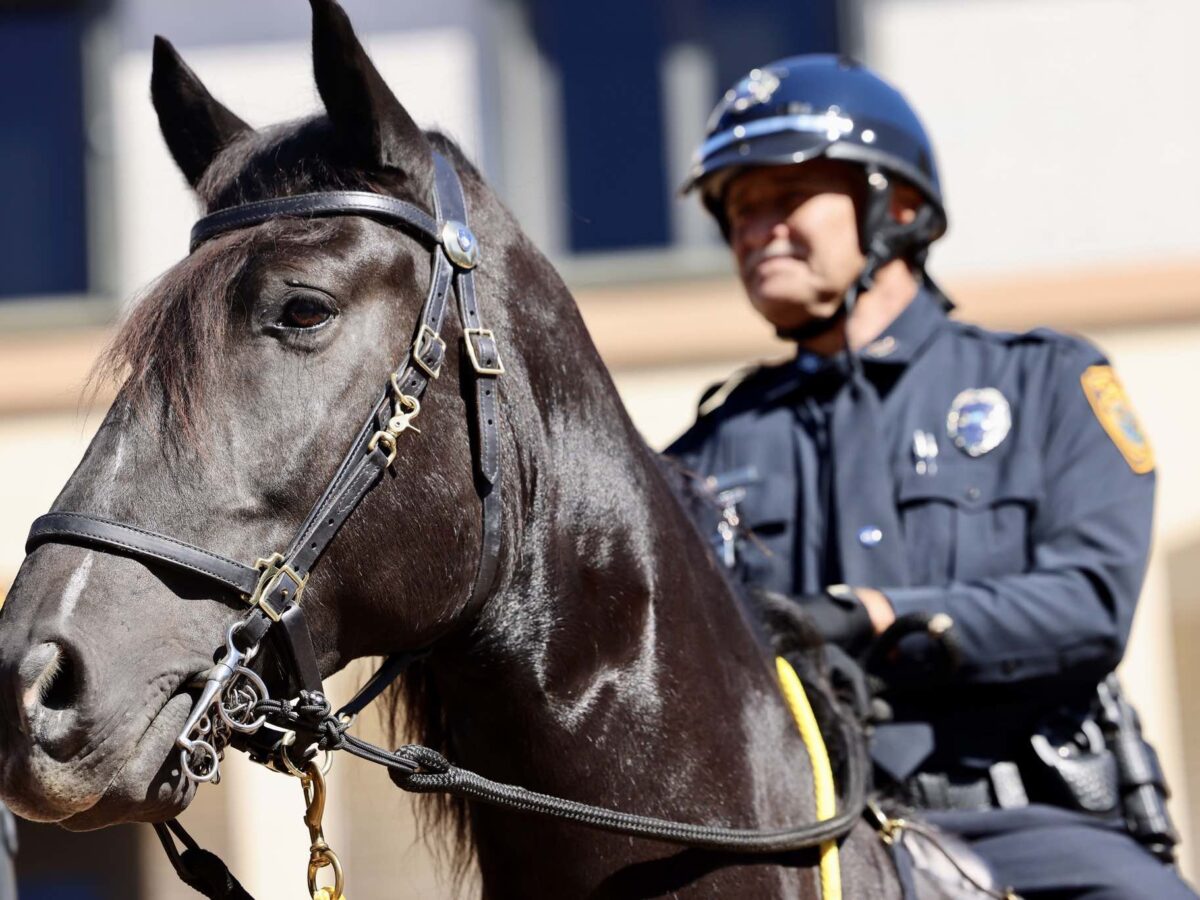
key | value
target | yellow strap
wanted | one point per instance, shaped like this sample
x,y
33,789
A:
x,y
810,733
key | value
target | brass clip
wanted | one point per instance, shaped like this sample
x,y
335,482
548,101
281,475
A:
x,y
889,828
405,408
320,856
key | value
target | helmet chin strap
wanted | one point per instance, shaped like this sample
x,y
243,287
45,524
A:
x,y
813,328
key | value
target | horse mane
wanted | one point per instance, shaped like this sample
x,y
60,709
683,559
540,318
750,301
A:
x,y
779,624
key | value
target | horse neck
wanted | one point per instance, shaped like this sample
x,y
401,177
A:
x,y
613,666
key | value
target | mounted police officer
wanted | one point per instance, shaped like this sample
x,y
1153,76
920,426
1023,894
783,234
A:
x,y
977,502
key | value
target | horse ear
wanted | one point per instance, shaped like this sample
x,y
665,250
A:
x,y
195,125
361,105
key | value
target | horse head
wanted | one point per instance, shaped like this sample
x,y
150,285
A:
x,y
248,368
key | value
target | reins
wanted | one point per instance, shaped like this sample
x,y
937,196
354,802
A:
x,y
234,705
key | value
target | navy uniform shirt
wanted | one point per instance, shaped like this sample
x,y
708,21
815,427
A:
x,y
1035,547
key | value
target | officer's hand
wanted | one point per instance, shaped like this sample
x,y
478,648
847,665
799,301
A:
x,y
840,619
879,608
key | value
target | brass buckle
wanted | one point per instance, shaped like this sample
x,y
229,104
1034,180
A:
x,y
272,568
481,369
427,338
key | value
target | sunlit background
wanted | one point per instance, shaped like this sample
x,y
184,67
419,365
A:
x,y
1068,137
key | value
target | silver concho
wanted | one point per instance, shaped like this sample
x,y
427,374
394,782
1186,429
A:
x,y
460,244
979,420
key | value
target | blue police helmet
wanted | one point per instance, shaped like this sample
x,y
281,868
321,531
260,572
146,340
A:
x,y
817,105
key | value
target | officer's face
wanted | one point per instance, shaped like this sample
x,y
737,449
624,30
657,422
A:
x,y
794,234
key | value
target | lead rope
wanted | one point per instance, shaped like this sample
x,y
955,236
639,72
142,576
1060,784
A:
x,y
823,786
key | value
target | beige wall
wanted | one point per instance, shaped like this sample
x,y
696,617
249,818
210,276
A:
x,y
1061,126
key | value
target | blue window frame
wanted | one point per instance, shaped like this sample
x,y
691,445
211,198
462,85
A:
x,y
609,60
43,232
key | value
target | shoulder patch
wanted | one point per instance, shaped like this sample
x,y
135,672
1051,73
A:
x,y
1112,407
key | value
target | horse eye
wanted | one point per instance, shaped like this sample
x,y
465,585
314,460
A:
x,y
305,312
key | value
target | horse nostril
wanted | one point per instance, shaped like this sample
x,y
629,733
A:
x,y
61,689
50,678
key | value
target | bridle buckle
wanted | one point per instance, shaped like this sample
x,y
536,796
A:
x,y
428,339
496,368
274,572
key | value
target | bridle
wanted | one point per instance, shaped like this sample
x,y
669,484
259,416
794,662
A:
x,y
234,705
274,586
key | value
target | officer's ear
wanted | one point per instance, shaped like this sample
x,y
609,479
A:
x,y
906,200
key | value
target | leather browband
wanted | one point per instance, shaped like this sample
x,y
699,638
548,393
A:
x,y
274,585
328,203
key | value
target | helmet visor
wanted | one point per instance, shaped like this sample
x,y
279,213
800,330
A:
x,y
775,140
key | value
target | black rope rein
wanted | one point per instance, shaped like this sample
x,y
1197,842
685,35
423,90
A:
x,y
422,770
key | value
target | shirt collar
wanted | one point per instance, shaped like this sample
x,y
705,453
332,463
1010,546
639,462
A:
x,y
901,342
909,332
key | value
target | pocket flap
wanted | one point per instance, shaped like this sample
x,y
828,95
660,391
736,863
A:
x,y
768,505
974,484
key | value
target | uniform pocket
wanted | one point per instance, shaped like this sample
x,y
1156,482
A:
x,y
767,507
768,512
969,521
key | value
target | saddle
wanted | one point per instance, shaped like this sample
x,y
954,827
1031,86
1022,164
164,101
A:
x,y
932,864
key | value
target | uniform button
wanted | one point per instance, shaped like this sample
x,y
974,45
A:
x,y
973,494
809,363
870,535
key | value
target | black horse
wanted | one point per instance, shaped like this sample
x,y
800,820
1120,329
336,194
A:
x,y
611,663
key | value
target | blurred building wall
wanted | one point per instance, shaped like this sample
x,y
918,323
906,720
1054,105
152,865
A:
x,y
1066,154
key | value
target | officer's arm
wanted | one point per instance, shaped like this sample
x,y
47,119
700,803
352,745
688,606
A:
x,y
1070,614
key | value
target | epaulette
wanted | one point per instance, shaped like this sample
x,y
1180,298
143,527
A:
x,y
715,396
1033,336
1072,348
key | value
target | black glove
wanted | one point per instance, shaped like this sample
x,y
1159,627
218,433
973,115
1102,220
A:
x,y
840,618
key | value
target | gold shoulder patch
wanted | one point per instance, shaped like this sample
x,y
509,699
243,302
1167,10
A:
x,y
1112,407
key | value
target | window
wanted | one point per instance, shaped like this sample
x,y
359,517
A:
x,y
636,81
43,232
